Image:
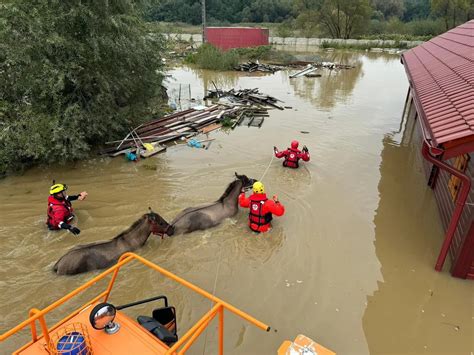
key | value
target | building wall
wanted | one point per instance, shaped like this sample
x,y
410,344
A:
x,y
236,37
445,202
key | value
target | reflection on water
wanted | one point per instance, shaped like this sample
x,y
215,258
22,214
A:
x,y
430,311
334,86
336,267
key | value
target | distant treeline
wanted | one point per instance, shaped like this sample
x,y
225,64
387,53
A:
x,y
334,18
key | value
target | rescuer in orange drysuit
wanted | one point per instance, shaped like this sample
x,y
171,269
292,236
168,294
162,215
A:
x,y
292,155
261,208
60,211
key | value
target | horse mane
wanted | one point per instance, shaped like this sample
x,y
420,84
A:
x,y
228,190
132,227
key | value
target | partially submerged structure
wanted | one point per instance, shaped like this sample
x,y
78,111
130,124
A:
x,y
441,99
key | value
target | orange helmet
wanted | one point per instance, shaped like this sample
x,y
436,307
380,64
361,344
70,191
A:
x,y
295,144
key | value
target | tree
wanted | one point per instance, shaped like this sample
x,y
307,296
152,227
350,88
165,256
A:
x,y
72,73
389,8
344,18
416,10
452,11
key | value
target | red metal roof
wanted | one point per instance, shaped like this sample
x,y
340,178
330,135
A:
x,y
441,74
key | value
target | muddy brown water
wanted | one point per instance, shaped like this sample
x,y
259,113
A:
x,y
350,264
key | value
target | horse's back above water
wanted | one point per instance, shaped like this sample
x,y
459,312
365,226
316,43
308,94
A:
x,y
211,214
99,255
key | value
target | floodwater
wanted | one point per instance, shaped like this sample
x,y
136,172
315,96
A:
x,y
350,264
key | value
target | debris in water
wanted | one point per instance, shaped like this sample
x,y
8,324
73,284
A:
x,y
337,309
304,132
299,281
456,327
422,311
248,97
256,66
313,75
444,315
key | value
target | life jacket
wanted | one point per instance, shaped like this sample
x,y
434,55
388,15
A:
x,y
291,159
58,211
256,215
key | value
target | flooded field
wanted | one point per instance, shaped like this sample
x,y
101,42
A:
x,y
350,264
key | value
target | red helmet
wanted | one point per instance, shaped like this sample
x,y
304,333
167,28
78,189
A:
x,y
294,144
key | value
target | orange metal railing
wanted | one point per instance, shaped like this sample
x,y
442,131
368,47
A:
x,y
184,342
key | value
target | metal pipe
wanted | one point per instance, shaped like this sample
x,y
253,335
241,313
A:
x,y
202,322
34,335
196,334
460,202
221,331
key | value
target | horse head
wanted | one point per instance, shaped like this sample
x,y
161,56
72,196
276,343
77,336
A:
x,y
247,182
158,224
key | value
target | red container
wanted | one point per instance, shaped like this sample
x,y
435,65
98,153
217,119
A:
x,y
236,37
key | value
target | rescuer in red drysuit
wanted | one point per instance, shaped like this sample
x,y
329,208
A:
x,y
60,211
261,208
292,155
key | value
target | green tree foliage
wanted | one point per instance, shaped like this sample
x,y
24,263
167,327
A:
x,y
222,11
344,18
453,12
71,74
416,10
389,8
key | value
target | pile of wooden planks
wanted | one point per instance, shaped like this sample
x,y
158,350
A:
x,y
246,97
178,125
233,107
256,66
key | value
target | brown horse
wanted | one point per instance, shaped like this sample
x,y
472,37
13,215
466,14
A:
x,y
211,214
100,255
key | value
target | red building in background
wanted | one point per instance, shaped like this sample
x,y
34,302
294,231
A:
x,y
236,37
441,99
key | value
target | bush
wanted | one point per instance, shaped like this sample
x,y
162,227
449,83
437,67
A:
x,y
253,53
209,57
426,27
77,75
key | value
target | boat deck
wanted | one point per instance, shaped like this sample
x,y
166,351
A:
x,y
130,339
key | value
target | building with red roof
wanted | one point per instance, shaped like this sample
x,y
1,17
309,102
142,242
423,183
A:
x,y
441,99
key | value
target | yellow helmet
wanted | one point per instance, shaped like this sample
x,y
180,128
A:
x,y
56,188
258,187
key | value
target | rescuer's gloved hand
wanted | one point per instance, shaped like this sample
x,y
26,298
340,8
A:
x,y
305,149
75,230
275,149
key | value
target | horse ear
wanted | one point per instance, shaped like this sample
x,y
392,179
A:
x,y
236,175
149,209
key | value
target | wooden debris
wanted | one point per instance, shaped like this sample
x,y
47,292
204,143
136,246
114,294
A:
x,y
312,75
233,105
256,66
246,97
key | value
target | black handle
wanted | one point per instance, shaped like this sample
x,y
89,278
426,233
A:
x,y
144,301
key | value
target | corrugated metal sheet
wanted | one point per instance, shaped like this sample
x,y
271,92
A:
x,y
441,73
236,37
